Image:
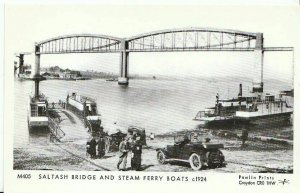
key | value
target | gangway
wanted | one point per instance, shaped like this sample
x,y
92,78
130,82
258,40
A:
x,y
55,130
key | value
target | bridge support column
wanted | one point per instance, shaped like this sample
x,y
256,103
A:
x,y
124,62
36,73
258,84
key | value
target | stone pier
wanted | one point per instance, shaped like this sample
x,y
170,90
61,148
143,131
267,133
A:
x,y
124,64
258,64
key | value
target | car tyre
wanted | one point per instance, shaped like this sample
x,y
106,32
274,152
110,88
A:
x,y
221,159
209,161
195,162
161,157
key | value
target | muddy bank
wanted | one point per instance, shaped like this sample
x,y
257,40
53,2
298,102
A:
x,y
70,154
232,140
254,157
44,158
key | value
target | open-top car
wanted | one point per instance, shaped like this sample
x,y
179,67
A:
x,y
191,149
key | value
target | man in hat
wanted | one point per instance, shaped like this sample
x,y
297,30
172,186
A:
x,y
152,136
207,140
92,147
123,149
101,147
244,136
136,159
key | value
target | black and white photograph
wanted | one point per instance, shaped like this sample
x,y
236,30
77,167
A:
x,y
207,98
140,89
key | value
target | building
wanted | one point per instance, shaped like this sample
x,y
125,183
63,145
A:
x,y
71,75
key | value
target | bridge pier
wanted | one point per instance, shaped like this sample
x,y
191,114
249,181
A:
x,y
36,73
124,62
258,85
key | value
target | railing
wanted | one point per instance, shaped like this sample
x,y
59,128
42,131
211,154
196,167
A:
x,y
200,114
88,98
223,114
268,106
55,129
59,105
41,97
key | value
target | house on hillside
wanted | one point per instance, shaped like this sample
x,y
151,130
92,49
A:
x,y
48,75
71,75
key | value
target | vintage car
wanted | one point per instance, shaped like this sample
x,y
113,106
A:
x,y
191,149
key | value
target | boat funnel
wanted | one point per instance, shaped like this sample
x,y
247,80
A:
x,y
241,90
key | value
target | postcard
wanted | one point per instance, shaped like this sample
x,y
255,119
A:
x,y
151,98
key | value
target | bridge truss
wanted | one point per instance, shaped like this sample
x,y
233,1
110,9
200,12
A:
x,y
186,39
172,40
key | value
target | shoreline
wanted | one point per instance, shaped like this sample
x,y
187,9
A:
x,y
53,157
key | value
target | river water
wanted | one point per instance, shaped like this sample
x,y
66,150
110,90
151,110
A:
x,y
162,105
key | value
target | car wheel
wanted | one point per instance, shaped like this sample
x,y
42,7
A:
x,y
217,157
195,161
161,157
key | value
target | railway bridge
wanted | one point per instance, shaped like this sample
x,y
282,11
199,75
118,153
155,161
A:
x,y
171,40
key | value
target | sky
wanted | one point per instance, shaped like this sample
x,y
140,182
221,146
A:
x,y
25,25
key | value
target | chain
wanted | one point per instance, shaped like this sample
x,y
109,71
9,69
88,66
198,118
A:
x,y
101,167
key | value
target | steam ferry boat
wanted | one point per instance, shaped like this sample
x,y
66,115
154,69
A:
x,y
38,115
259,108
85,108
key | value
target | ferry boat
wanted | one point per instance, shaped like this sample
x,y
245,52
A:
x,y
85,108
38,116
257,109
111,80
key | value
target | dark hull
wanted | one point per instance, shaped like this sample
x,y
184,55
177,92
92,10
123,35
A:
x,y
266,120
220,123
38,129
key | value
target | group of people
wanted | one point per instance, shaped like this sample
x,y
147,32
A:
x,y
96,148
136,152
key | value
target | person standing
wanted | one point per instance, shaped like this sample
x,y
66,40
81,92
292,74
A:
x,y
123,149
93,145
136,160
152,136
134,135
101,147
244,136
